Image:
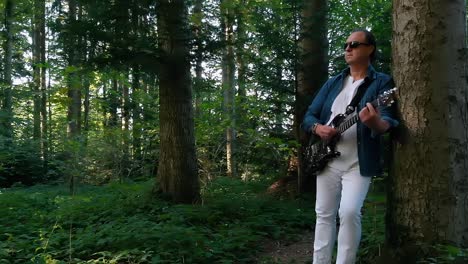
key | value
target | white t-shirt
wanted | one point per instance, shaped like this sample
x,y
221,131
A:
x,y
347,145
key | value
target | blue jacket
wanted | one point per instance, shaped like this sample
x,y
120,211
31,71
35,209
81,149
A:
x,y
368,141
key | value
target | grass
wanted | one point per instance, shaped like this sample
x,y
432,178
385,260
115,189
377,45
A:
x,y
124,223
373,227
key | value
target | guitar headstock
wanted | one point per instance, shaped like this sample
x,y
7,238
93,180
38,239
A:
x,y
387,98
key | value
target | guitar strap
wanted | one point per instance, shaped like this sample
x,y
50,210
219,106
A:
x,y
358,96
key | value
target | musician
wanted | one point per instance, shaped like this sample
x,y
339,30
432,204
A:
x,y
343,184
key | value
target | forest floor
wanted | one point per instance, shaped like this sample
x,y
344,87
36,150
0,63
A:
x,y
297,251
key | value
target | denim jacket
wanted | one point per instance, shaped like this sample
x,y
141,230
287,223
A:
x,y
368,142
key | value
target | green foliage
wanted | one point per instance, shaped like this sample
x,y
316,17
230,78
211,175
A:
x,y
373,227
373,237
345,16
445,254
20,163
123,223
116,43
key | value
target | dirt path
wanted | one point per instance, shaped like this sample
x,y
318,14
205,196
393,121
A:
x,y
289,252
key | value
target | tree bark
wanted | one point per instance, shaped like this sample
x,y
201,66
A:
x,y
113,103
6,122
136,114
241,66
228,70
126,166
197,32
74,83
312,73
136,92
37,80
427,201
40,130
178,176
44,113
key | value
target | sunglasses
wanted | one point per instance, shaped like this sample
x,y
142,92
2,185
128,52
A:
x,y
354,44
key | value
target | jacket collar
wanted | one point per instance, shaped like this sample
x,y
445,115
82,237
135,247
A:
x,y
371,73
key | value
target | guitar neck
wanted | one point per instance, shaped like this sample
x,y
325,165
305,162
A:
x,y
348,123
353,119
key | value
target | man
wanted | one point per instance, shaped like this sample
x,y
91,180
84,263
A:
x,y
343,184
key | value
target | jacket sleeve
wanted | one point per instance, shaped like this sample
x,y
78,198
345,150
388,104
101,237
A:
x,y
314,112
388,113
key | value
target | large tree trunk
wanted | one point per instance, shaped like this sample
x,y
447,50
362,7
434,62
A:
x,y
428,195
6,128
178,175
312,73
228,68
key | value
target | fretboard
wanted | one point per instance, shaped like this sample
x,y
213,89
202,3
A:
x,y
353,119
347,123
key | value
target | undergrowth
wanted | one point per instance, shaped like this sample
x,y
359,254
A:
x,y
125,223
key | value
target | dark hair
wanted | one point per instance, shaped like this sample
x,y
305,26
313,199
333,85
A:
x,y
369,39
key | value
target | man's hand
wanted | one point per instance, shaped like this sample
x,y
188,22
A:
x,y
371,118
325,132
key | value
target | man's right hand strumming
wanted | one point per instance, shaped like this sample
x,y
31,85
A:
x,y
325,132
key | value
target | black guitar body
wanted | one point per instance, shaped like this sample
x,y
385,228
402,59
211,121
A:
x,y
322,152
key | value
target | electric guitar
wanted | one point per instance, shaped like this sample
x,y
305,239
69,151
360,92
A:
x,y
322,151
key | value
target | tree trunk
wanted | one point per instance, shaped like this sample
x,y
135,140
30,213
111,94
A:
x,y
86,106
37,81
74,83
126,166
312,73
136,114
40,130
178,176
241,66
6,128
88,55
197,32
74,97
44,96
427,199
227,17
113,103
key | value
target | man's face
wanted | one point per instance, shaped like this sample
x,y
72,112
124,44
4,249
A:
x,y
359,55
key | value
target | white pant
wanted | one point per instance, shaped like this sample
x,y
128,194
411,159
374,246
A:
x,y
345,190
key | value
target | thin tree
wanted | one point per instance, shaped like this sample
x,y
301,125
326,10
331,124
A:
x,y
198,41
241,114
6,128
135,107
427,199
40,130
74,97
74,84
228,70
177,171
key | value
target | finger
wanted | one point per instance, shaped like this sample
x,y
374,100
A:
x,y
370,108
